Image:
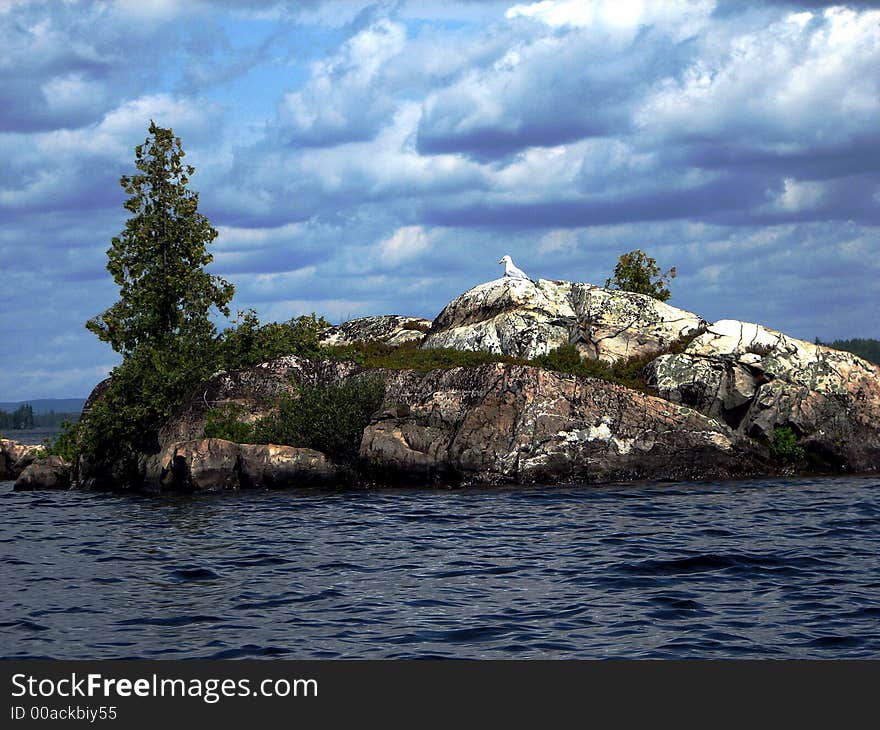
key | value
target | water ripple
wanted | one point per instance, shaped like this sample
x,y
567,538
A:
x,y
783,569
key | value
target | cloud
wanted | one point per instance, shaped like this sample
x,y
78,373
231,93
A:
x,y
406,243
556,241
342,101
365,158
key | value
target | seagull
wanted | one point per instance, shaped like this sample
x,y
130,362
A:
x,y
511,271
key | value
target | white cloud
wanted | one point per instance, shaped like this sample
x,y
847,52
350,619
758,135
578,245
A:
x,y
342,101
623,17
559,241
404,244
786,86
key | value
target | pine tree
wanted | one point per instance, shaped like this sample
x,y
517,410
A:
x,y
161,324
158,261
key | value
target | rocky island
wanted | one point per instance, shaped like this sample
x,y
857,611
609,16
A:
x,y
709,400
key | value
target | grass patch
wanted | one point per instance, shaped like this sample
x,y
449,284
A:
x,y
564,359
408,356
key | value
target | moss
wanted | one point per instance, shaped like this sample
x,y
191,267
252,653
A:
x,y
784,445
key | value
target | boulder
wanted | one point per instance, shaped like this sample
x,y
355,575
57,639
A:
x,y
49,473
392,329
526,319
504,423
14,457
209,465
757,379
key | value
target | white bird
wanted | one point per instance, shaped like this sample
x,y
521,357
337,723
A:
x,y
511,271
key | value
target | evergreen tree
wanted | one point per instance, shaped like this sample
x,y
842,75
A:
x,y
158,261
23,417
161,324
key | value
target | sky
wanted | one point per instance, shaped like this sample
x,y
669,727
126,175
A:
x,y
363,158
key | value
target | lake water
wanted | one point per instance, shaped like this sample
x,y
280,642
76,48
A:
x,y
784,569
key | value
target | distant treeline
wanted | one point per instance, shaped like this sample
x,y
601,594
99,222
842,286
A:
x,y
866,348
24,417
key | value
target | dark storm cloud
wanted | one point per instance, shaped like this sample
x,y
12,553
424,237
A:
x,y
732,192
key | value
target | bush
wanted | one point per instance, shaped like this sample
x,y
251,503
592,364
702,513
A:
x,y
224,422
328,418
784,445
567,359
637,272
66,444
408,356
248,342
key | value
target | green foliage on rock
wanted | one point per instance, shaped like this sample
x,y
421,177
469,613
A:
x,y
248,342
637,272
66,444
329,418
161,324
784,445
225,422
408,356
626,372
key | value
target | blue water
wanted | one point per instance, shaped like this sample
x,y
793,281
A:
x,y
724,570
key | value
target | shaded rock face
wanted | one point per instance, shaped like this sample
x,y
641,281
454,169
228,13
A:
x,y
392,329
504,423
216,465
757,379
15,457
525,319
49,473
255,390
493,424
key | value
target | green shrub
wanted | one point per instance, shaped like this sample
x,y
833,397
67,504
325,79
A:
x,y
408,356
248,342
637,272
66,444
567,359
784,445
225,422
328,418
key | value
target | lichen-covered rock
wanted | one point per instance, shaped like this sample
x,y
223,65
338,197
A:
x,y
210,465
15,457
49,473
526,319
505,423
392,329
758,379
